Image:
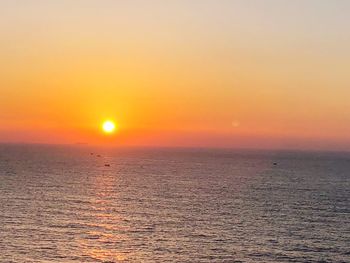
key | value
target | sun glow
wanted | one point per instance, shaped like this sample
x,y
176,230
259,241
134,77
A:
x,y
108,126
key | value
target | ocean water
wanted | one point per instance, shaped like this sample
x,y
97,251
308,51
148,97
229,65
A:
x,y
63,204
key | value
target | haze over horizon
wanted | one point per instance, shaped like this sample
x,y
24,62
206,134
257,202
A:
x,y
255,74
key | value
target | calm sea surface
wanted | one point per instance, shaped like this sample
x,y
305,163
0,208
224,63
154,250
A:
x,y
63,204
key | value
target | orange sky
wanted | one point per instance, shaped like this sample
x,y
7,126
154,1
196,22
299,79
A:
x,y
261,74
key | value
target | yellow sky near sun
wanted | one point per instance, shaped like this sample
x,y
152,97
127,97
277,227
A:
x,y
181,73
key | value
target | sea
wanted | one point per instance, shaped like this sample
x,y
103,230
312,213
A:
x,y
77,203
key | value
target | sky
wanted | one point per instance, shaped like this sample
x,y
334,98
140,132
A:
x,y
186,73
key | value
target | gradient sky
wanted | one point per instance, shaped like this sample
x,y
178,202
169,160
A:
x,y
217,73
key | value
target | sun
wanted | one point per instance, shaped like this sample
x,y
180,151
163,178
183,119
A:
x,y
108,126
